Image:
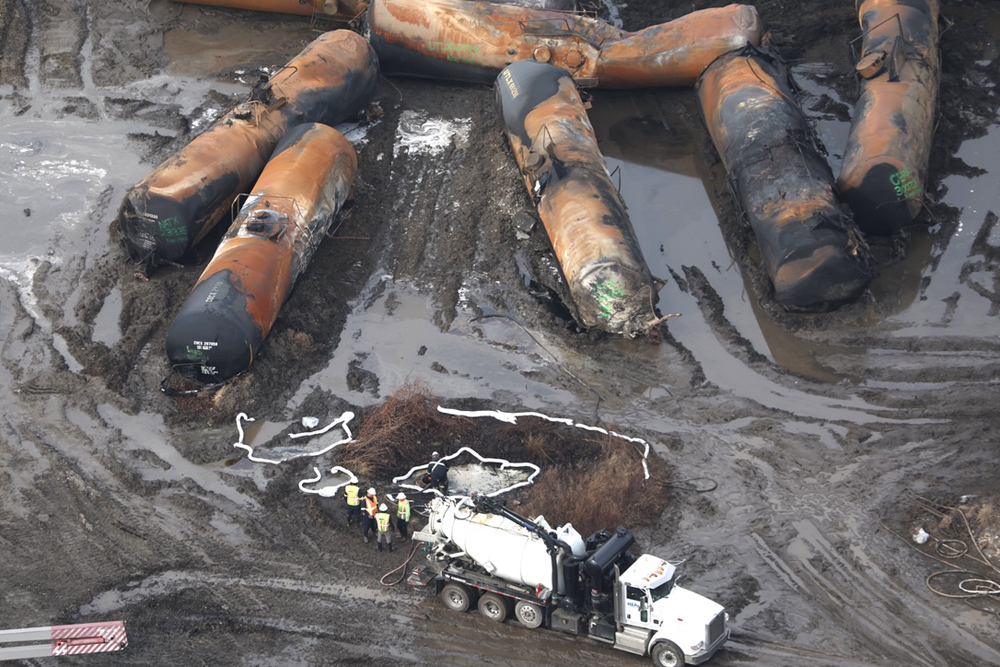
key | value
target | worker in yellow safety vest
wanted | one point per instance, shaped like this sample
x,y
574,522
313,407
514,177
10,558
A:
x,y
351,492
384,521
369,506
402,515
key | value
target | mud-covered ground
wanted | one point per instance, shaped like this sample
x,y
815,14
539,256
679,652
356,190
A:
x,y
119,502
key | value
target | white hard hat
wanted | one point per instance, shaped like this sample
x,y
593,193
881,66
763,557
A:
x,y
382,507
371,492
401,496
435,454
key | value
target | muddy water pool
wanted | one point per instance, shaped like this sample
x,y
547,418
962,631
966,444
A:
x,y
943,287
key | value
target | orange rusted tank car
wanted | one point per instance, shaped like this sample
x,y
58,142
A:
x,y
885,164
227,316
554,144
472,41
341,10
811,248
171,209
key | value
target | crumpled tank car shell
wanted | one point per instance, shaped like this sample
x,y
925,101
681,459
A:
x,y
472,41
811,248
235,302
587,224
170,210
885,164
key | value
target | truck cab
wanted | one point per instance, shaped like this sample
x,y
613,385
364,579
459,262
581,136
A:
x,y
660,618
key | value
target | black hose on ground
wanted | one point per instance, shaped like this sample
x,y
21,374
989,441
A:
x,y
401,566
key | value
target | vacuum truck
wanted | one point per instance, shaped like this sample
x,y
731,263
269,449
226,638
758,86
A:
x,y
481,553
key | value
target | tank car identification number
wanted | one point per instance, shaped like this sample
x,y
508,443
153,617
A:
x,y
511,86
905,184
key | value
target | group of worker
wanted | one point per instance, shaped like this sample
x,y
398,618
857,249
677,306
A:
x,y
375,516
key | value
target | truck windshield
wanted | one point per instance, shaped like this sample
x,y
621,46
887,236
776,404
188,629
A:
x,y
663,590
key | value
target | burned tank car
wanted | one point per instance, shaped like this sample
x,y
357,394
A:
x,y
230,311
585,218
165,214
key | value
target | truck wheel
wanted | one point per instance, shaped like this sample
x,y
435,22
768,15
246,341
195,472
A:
x,y
493,607
530,615
667,654
456,597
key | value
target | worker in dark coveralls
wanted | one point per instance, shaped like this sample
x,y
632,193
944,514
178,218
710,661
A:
x,y
369,507
384,522
437,474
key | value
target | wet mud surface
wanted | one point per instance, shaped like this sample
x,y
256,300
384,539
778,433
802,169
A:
x,y
119,502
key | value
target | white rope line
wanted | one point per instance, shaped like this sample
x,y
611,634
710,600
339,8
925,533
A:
x,y
342,421
327,491
511,418
346,417
504,464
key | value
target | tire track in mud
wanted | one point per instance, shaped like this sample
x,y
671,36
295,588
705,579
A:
x,y
60,31
15,28
434,227
831,587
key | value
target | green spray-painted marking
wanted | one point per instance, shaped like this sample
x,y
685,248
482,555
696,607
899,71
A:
x,y
173,230
605,292
193,353
457,52
905,184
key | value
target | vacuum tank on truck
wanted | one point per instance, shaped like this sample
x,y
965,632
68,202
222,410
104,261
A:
x,y
481,553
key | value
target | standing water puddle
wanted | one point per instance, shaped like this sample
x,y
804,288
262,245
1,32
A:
x,y
651,150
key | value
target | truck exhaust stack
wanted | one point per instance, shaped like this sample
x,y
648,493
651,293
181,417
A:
x,y
168,212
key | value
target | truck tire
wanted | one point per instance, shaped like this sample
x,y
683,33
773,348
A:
x,y
493,607
667,654
456,597
530,615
